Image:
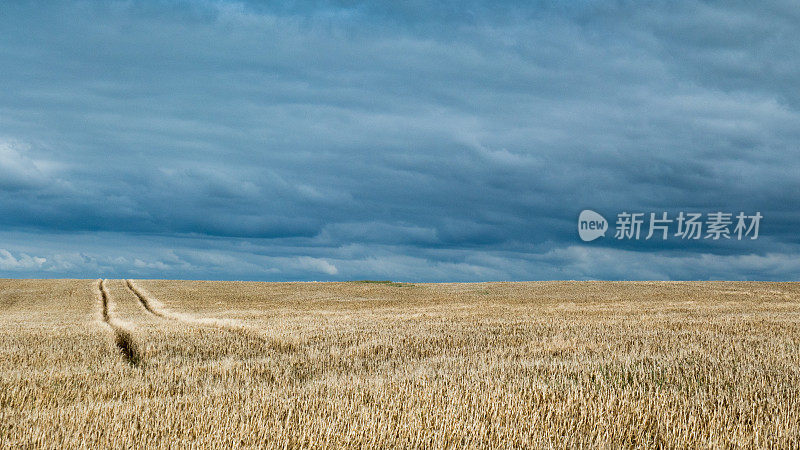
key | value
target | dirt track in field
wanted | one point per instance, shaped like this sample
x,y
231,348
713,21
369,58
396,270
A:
x,y
122,336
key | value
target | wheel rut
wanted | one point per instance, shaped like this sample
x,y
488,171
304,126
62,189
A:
x,y
156,308
122,336
147,303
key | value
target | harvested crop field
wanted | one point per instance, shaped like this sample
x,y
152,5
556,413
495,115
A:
x,y
157,363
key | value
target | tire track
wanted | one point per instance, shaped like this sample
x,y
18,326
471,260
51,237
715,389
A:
x,y
122,337
156,308
147,303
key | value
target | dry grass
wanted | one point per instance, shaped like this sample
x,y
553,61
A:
x,y
552,364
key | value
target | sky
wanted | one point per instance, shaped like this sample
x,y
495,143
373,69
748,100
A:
x,y
407,141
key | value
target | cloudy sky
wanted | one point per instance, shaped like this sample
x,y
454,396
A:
x,y
423,141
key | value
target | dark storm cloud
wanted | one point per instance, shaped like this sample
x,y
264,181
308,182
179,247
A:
x,y
445,141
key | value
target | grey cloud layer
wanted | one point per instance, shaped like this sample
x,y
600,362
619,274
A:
x,y
456,141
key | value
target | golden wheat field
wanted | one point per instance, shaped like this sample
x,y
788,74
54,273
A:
x,y
118,363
